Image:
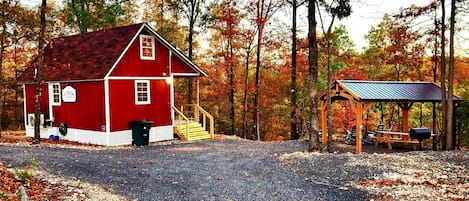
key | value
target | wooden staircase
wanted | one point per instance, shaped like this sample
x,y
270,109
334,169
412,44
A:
x,y
194,132
193,123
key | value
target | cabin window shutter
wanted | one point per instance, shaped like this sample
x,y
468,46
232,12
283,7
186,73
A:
x,y
142,92
147,47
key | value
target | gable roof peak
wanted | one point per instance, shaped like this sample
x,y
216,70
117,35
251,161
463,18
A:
x,y
91,55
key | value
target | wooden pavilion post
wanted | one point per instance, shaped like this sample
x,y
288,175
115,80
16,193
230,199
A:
x,y
358,140
324,122
405,106
359,110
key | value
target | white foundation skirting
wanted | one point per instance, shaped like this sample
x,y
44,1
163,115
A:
x,y
159,133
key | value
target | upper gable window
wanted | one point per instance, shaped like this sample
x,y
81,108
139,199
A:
x,y
147,47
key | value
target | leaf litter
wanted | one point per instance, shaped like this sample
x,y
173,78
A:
x,y
392,176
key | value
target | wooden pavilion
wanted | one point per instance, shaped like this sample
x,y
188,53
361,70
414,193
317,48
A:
x,y
362,94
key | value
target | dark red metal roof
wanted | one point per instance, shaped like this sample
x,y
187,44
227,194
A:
x,y
391,91
90,56
83,57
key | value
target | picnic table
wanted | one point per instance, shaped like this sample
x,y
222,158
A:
x,y
390,137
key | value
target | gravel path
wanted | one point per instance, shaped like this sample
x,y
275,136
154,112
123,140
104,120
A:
x,y
205,170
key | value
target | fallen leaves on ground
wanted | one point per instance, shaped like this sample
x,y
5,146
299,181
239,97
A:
x,y
19,138
8,185
396,176
45,186
418,177
36,188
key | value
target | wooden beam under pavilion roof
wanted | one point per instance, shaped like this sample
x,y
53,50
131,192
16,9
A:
x,y
357,92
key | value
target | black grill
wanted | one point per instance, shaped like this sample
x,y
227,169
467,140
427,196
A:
x,y
420,134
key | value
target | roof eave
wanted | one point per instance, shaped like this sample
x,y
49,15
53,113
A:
x,y
175,50
124,52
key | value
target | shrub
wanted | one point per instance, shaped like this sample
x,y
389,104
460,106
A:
x,y
3,196
26,175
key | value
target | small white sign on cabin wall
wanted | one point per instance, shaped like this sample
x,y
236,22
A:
x,y
69,94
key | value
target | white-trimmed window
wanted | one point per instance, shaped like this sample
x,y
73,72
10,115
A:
x,y
147,47
54,93
142,92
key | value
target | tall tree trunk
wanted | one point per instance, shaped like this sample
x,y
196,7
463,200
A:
x,y
232,88
443,75
257,84
2,49
340,13
16,98
16,82
435,65
264,11
246,83
192,19
329,81
329,99
37,106
4,103
219,101
190,81
421,115
293,116
313,77
450,107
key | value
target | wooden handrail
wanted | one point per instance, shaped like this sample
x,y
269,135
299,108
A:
x,y
197,110
182,117
210,117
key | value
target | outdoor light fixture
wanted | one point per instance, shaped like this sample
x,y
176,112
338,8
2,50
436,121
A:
x,y
169,80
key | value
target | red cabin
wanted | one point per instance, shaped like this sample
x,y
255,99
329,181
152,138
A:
x,y
97,83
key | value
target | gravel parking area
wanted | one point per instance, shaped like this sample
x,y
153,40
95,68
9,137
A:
x,y
205,170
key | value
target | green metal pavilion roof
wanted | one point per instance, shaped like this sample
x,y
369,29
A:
x,y
389,91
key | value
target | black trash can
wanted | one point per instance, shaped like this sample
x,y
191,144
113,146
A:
x,y
140,132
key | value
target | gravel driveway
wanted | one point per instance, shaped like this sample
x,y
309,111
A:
x,y
205,170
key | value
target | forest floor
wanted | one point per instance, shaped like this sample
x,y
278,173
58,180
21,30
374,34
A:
x,y
227,168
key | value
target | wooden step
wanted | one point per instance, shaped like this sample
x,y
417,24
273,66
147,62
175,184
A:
x,y
195,132
191,125
201,135
191,130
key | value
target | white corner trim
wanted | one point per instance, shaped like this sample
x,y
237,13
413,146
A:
x,y
171,88
107,110
24,106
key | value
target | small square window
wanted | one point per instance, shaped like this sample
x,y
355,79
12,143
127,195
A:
x,y
54,93
147,47
142,92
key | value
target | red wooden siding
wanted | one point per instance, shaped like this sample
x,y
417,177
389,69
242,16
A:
x,y
123,108
132,65
178,66
88,112
30,99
